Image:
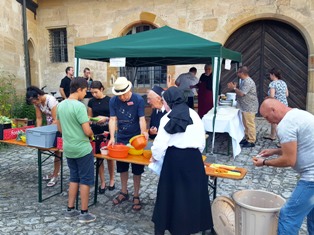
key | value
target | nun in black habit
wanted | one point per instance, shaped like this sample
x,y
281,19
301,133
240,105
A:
x,y
182,205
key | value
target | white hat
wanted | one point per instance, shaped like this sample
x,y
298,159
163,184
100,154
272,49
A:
x,y
121,86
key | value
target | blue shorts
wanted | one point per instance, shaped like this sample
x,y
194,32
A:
x,y
82,169
124,167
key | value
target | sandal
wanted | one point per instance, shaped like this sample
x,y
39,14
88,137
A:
x,y
47,177
268,137
120,198
52,182
137,206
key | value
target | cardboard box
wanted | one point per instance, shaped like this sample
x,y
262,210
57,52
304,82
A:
x,y
11,133
3,127
22,122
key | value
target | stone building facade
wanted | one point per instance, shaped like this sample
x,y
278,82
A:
x,y
96,20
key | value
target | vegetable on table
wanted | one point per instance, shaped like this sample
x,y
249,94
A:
x,y
20,134
5,120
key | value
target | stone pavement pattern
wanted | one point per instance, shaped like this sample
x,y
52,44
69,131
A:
x,y
20,212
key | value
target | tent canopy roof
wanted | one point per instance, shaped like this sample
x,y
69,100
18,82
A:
x,y
162,46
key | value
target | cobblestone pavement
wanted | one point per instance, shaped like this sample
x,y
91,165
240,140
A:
x,y
20,212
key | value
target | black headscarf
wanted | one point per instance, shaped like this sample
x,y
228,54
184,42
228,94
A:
x,y
180,115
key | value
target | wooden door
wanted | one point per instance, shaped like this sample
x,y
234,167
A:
x,y
267,44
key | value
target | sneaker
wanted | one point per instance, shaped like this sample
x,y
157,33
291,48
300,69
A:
x,y
72,214
248,145
101,190
87,218
244,141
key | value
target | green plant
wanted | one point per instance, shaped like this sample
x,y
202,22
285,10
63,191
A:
x,y
22,110
11,104
7,93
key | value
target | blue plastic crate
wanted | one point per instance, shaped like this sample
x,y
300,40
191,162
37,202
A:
x,y
42,137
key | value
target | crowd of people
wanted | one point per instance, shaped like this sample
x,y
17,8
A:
x,y
176,157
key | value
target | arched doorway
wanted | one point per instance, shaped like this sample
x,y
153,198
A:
x,y
266,44
33,66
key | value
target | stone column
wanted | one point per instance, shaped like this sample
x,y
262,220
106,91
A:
x,y
310,91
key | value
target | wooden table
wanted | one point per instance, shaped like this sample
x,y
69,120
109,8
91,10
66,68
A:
x,y
48,152
214,175
137,159
141,160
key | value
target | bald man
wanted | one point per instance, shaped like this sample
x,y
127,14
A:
x,y
154,99
296,134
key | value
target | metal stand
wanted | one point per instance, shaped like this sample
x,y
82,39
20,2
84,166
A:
x,y
49,154
213,186
228,145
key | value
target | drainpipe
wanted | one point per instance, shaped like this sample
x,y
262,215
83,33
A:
x,y
26,54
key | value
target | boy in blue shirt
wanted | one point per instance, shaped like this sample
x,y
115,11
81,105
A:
x,y
73,122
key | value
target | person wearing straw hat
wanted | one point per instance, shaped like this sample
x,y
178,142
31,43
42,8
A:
x,y
127,113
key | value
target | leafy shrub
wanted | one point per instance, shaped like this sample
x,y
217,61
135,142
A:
x,y
22,110
7,93
12,105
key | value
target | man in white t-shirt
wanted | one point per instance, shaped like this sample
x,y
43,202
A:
x,y
186,82
296,134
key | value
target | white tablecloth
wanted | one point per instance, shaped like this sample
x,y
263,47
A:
x,y
228,119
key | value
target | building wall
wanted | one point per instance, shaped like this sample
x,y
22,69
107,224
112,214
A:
x,y
80,30
12,60
11,42
94,20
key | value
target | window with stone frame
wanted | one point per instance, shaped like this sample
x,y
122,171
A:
x,y
145,76
58,45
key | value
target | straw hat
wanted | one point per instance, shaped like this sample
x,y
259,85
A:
x,y
121,86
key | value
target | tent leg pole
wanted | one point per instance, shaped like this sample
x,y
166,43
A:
x,y
77,67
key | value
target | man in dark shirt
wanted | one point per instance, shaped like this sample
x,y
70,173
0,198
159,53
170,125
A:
x,y
154,98
65,82
87,76
128,119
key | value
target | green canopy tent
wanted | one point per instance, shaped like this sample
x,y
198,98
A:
x,y
162,46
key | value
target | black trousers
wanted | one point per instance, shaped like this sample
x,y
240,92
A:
x,y
190,102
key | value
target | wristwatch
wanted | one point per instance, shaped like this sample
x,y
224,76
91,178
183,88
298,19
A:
x,y
234,88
